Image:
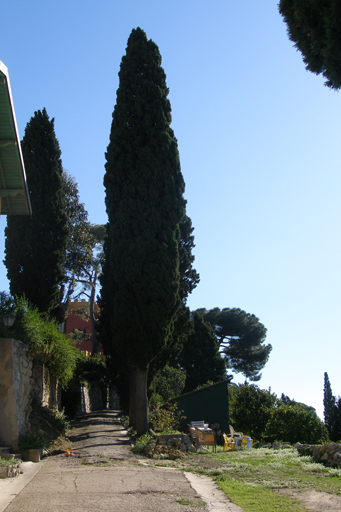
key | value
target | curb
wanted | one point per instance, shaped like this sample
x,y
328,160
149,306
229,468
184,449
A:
x,y
11,487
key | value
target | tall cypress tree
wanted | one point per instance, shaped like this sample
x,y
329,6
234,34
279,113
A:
x,y
145,205
36,247
328,403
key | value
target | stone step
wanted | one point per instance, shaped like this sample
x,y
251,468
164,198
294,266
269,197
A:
x,y
4,449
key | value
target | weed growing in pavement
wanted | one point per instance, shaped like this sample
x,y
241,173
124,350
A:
x,y
190,503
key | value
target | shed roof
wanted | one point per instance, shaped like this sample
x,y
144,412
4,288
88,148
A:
x,y
14,195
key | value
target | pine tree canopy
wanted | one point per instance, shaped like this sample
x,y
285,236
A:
x,y
314,27
36,247
145,206
242,336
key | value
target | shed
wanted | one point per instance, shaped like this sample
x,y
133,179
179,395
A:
x,y
209,404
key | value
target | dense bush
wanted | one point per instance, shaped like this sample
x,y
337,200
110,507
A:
x,y
32,440
295,424
91,369
168,382
250,408
167,419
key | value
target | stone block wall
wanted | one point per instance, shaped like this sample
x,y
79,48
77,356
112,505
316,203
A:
x,y
22,373
46,389
15,387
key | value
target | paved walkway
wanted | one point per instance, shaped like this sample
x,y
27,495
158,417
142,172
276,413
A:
x,y
88,482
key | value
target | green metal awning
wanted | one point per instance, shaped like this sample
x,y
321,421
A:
x,y
14,195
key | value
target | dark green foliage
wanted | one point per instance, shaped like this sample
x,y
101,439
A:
x,y
59,420
7,303
295,424
189,277
7,306
250,408
145,205
335,430
242,337
285,399
32,440
36,247
183,325
169,382
328,403
91,369
314,27
200,357
290,401
332,411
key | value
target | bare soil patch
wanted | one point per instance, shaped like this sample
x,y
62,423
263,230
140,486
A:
x,y
315,500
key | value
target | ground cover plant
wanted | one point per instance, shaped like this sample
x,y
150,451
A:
x,y
6,462
264,479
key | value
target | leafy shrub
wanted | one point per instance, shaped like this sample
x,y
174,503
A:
x,y
250,409
166,419
156,402
60,420
295,423
142,442
31,440
169,382
45,341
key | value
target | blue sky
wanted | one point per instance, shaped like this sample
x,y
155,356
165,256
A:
x,y
259,148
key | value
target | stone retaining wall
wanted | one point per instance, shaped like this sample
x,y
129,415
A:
x,y
46,389
328,454
15,387
21,380
22,377
10,470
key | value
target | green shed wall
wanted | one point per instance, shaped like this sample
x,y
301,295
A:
x,y
209,404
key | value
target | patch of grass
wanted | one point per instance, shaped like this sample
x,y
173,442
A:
x,y
251,478
185,502
7,462
258,499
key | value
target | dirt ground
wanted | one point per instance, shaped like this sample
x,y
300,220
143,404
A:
x,y
314,500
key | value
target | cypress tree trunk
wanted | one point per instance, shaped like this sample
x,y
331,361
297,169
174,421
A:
x,y
138,400
132,397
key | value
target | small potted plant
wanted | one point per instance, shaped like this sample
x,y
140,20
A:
x,y
31,446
